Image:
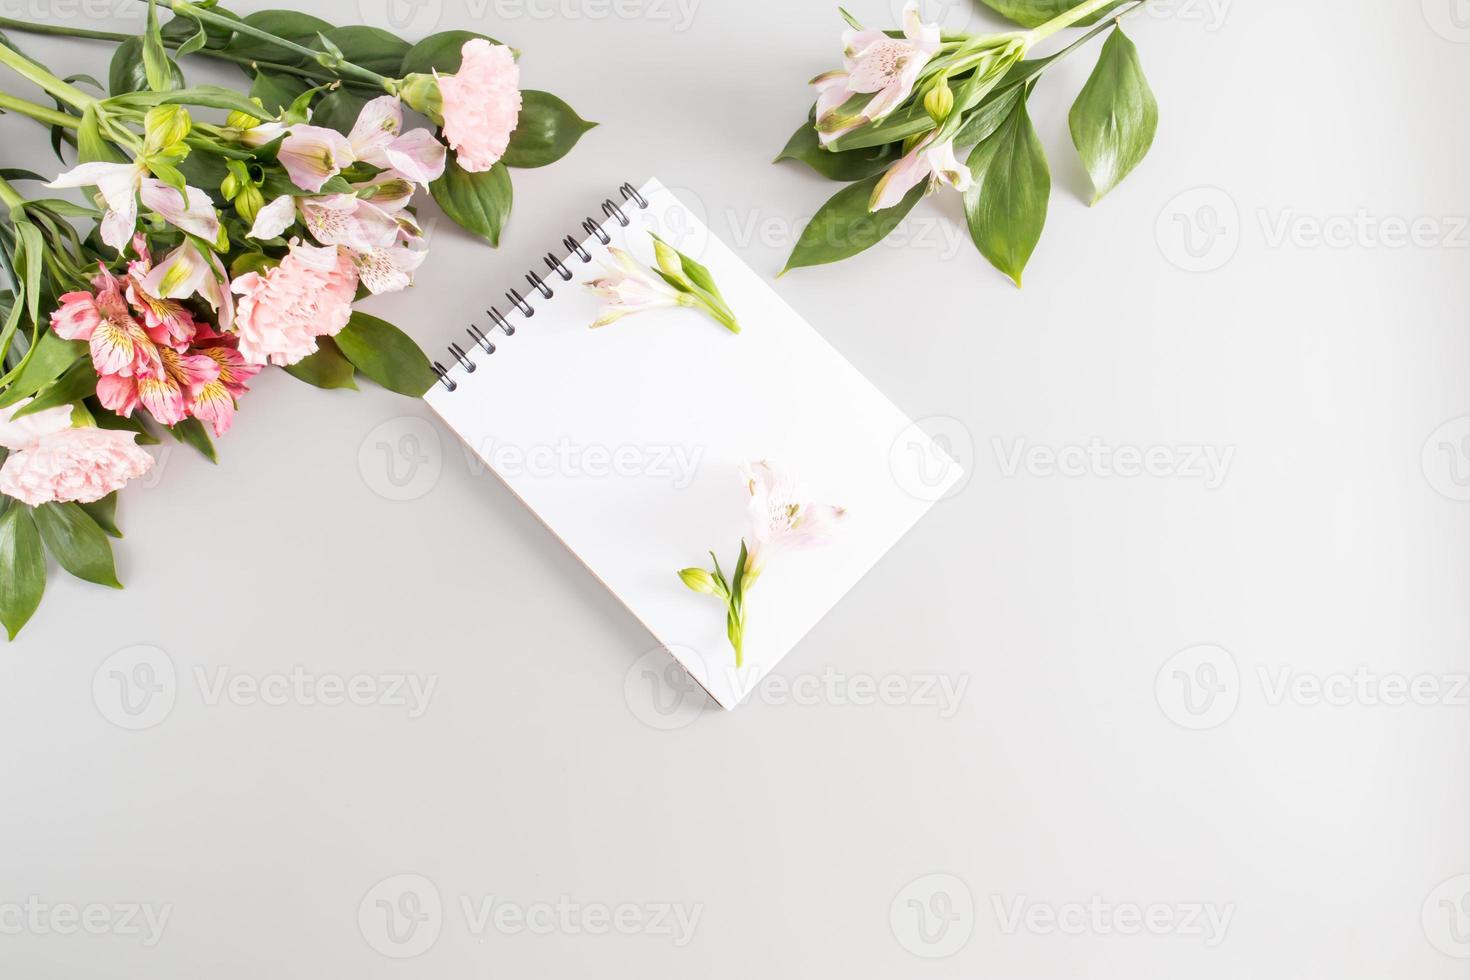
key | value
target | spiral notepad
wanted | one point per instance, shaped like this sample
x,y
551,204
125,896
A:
x,y
627,440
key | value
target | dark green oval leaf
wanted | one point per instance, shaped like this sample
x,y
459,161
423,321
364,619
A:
x,y
338,110
843,226
191,432
104,513
386,354
846,165
369,47
327,368
277,90
127,73
48,361
546,130
22,566
75,383
1006,205
438,52
477,202
79,545
1032,13
1114,118
288,24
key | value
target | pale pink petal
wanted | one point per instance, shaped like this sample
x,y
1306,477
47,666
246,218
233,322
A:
x,y
417,155
193,213
273,219
76,317
481,104
118,394
21,433
377,125
80,464
312,155
899,179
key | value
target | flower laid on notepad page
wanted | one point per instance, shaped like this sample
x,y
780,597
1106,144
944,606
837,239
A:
x,y
780,520
632,287
225,234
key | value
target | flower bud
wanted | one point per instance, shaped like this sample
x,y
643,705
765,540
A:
x,y
668,259
421,92
939,100
229,187
249,201
163,126
701,581
242,120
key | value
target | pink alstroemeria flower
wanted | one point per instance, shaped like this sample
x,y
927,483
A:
x,y
166,320
120,185
187,271
214,401
312,155
935,163
377,138
874,63
120,347
629,287
779,518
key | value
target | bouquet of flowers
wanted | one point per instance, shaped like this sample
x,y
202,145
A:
x,y
890,121
224,232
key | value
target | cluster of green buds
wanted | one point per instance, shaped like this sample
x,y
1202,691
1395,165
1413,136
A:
x,y
242,189
164,130
693,282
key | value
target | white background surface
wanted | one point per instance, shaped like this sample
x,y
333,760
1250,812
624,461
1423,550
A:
x,y
802,827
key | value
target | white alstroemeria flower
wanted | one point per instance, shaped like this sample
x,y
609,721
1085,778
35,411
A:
x,y
312,155
377,138
779,517
187,271
929,161
629,287
120,185
874,63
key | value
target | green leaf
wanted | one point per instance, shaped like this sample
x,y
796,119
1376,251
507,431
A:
x,y
843,226
1006,205
134,423
182,27
22,566
386,354
338,110
127,72
157,67
51,357
79,545
477,202
370,47
211,96
847,165
289,25
191,432
545,132
76,383
277,90
1032,13
104,513
894,128
438,52
1114,118
987,117
91,147
327,368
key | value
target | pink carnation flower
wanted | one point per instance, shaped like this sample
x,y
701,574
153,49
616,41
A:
x,y
481,104
280,314
52,462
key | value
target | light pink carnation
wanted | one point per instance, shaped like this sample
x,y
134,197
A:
x,y
481,104
52,462
280,314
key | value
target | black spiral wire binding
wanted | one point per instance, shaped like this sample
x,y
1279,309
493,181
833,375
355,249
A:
x,y
573,245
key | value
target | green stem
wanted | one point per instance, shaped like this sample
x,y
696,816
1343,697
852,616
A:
x,y
10,23
1065,20
9,196
31,71
37,112
341,68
